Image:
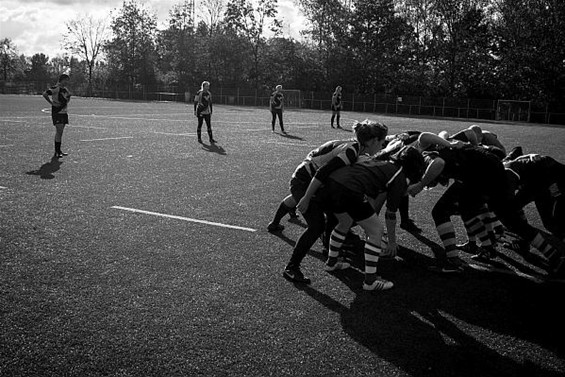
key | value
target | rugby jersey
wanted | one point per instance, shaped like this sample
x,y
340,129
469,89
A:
x,y
203,102
60,97
373,176
336,101
345,152
277,100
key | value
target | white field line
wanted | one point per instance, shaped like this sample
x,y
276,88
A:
x,y
2,187
294,144
185,219
93,127
174,134
12,121
110,138
6,145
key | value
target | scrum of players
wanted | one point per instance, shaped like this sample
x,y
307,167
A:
x,y
344,183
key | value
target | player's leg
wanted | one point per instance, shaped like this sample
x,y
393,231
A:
x,y
315,221
374,231
59,128
338,116
406,222
199,128
280,115
446,206
337,239
208,119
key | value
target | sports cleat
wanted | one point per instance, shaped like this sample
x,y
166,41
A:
x,y
450,266
485,254
275,227
410,226
294,274
378,285
337,266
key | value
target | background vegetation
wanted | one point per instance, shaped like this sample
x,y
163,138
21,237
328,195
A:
x,y
480,49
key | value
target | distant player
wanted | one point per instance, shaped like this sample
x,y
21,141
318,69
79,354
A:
x,y
336,106
203,110
59,96
276,105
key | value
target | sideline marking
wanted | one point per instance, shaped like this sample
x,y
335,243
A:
x,y
294,144
96,128
184,219
173,134
2,187
110,138
6,145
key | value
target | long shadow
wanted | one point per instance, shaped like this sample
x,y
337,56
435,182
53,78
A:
x,y
214,148
293,137
47,169
421,326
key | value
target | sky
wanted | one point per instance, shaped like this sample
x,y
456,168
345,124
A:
x,y
37,26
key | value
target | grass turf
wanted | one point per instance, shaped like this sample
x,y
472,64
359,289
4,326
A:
x,y
90,290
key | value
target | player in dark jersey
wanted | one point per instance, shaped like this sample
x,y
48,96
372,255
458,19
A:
x,y
540,179
348,194
59,96
392,145
475,135
315,170
276,105
336,106
482,178
203,111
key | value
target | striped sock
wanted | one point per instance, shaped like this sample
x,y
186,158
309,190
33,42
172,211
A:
x,y
472,226
336,242
372,253
446,233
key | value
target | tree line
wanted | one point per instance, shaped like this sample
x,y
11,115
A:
x,y
483,49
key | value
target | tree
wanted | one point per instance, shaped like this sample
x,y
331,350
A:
x,y
214,11
39,70
8,58
86,37
131,52
251,21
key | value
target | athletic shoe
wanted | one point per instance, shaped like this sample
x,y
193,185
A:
x,y
378,285
337,266
485,254
468,247
410,226
294,274
272,227
451,265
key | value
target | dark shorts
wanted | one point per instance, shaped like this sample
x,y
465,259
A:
x,y
340,199
60,119
298,188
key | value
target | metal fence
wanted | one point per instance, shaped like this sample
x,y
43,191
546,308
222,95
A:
x,y
444,107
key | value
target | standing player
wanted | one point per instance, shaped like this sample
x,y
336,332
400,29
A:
x,y
336,106
203,110
276,105
59,96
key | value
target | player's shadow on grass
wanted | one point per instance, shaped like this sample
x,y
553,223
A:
x,y
292,137
214,148
47,169
431,324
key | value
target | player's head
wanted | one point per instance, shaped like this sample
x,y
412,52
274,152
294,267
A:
x,y
63,78
338,89
478,131
370,134
205,85
278,88
412,163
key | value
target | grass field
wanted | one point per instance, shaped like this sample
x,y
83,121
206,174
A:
x,y
144,253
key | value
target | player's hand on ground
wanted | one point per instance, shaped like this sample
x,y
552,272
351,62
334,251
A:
x,y
391,249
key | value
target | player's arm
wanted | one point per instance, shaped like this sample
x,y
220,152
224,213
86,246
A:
x,y
46,95
428,139
434,169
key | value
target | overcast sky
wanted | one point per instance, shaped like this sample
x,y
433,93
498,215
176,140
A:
x,y
37,26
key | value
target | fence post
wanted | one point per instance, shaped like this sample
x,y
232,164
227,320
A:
x,y
353,102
